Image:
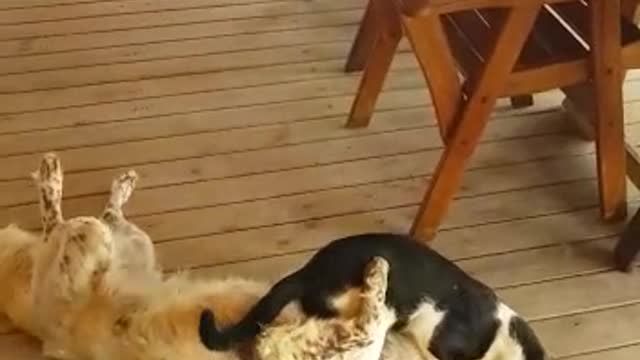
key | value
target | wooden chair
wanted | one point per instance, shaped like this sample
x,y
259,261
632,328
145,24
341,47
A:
x,y
472,52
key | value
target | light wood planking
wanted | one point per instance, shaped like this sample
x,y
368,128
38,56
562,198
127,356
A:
x,y
194,101
622,353
26,23
36,11
232,111
59,43
280,147
177,49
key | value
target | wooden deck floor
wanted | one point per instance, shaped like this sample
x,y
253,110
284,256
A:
x,y
232,111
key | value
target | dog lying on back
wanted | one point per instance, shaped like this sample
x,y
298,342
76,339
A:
x,y
89,289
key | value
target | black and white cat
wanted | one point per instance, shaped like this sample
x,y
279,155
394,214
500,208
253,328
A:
x,y
449,315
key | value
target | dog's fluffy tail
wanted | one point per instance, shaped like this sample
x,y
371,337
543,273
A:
x,y
15,248
16,268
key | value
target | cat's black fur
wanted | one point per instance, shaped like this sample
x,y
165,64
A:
x,y
417,275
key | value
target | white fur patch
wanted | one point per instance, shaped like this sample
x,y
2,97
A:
x,y
421,327
504,347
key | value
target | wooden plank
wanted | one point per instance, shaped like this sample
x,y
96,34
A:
x,y
26,4
162,86
543,264
197,101
289,104
623,353
208,252
142,106
187,166
469,213
573,295
178,49
585,332
239,190
259,140
165,68
60,43
143,88
262,118
129,15
27,215
97,5
317,205
409,106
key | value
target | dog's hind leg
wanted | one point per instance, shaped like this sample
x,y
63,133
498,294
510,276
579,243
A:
x,y
48,179
134,249
358,338
121,189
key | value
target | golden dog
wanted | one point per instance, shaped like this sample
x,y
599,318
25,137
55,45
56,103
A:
x,y
89,289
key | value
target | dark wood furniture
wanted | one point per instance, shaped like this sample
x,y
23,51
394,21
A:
x,y
473,52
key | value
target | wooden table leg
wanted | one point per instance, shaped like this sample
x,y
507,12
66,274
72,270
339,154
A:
x,y
365,40
607,70
579,108
387,37
630,9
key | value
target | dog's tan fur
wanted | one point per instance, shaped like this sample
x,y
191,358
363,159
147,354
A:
x,y
89,288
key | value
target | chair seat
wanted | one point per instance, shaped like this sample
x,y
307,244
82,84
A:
x,y
555,54
416,7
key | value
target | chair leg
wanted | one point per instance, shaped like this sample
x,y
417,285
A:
x,y
473,118
630,9
427,37
521,101
364,42
606,56
375,71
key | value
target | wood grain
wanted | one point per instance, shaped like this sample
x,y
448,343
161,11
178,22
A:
x,y
247,169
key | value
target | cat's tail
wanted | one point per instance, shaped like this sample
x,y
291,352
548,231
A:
x,y
263,313
532,348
